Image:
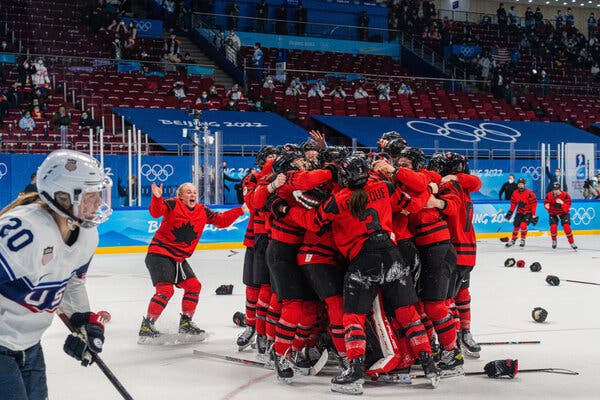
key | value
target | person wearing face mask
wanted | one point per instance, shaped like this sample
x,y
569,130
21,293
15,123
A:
x,y
507,188
183,221
557,176
4,48
203,99
525,202
26,122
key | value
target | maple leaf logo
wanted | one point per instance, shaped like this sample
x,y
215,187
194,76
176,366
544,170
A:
x,y
185,233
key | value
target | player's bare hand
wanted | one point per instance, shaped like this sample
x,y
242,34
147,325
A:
x,y
449,178
157,190
319,138
559,201
383,165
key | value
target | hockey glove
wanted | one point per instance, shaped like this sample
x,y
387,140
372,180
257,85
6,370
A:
x,y
334,171
87,338
224,289
534,220
279,208
508,215
305,199
498,368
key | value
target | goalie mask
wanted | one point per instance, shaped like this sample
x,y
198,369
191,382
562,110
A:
x,y
74,185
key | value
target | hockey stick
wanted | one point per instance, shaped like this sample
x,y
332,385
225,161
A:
x,y
96,358
562,371
501,343
232,253
237,360
584,282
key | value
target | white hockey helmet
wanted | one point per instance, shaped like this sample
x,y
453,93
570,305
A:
x,y
74,185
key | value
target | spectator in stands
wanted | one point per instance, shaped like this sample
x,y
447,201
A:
x,y
281,20
203,99
363,23
32,185
131,35
538,17
168,8
124,191
507,188
360,93
86,121
116,51
559,20
3,109
256,106
40,78
315,91
232,47
171,48
384,93
435,34
591,25
213,93
26,122
37,113
178,90
595,69
234,93
25,70
12,97
262,13
591,189
485,64
301,20
269,84
569,19
257,62
393,24
296,87
5,47
230,106
234,12
557,176
219,40
338,92
61,118
509,94
544,81
405,90
512,16
501,16
528,18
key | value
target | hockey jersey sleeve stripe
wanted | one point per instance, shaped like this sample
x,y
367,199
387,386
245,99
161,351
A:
x,y
425,233
466,252
6,273
420,226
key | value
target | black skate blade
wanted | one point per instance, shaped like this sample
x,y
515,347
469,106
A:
x,y
354,388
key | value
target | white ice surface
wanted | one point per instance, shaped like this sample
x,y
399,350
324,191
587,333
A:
x,y
501,308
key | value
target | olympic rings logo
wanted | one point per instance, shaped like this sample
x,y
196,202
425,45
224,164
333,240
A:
x,y
535,172
143,26
582,215
3,170
463,132
157,172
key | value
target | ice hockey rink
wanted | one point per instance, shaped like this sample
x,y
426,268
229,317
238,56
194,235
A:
x,y
503,299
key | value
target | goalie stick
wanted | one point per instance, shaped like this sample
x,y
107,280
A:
x,y
509,342
103,367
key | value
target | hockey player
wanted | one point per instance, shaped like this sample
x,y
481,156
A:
x,y
183,221
525,202
558,204
255,272
47,240
385,138
360,216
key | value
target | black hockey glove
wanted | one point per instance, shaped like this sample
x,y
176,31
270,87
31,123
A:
x,y
224,289
508,215
498,368
86,339
334,171
534,220
279,208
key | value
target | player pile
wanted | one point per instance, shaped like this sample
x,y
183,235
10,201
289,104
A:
x,y
364,256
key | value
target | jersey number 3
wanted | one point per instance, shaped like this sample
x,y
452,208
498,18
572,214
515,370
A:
x,y
17,236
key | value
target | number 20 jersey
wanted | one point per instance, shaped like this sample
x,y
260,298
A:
x,y
35,268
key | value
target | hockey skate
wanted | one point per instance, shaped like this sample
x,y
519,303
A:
x,y
397,376
283,367
189,331
351,380
451,363
431,371
261,347
554,244
522,243
148,332
573,246
269,356
510,243
468,345
245,338
300,362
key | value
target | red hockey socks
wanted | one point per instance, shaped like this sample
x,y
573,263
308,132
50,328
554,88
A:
x,y
355,336
306,323
164,292
463,304
273,315
262,305
443,323
568,232
191,288
413,328
291,312
515,233
454,311
554,230
523,227
335,311
251,299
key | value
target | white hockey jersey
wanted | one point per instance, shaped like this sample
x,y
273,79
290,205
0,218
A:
x,y
39,272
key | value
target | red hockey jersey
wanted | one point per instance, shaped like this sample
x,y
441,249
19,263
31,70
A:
x,y
555,208
181,227
525,202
